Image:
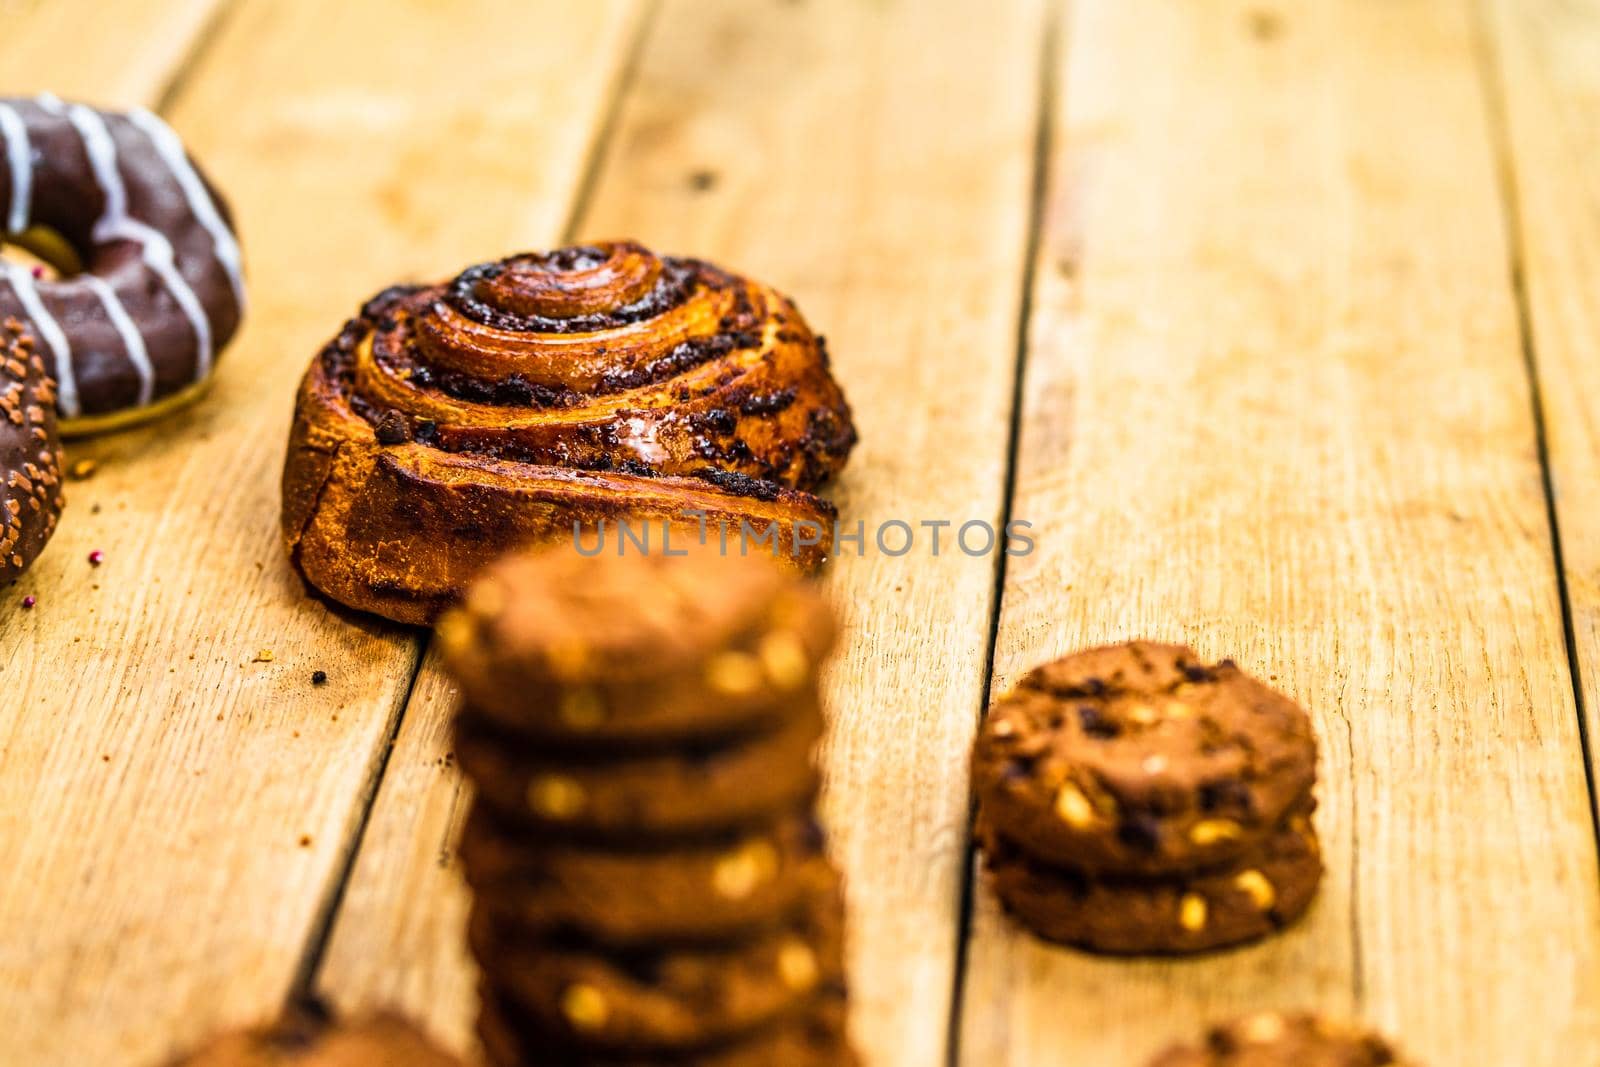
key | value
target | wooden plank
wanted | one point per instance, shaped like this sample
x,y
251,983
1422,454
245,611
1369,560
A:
x,y
874,160
1275,406
399,935
80,50
1546,60
172,814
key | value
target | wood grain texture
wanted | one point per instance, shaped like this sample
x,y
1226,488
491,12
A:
x,y
84,50
1546,70
399,936
173,813
1275,406
827,148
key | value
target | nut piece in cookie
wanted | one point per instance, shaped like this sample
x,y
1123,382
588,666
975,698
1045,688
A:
x,y
1141,759
1270,1039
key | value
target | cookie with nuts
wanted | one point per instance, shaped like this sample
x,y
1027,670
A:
x,y
813,1037
661,999
1270,1039
641,649
1207,909
695,787
679,891
1142,759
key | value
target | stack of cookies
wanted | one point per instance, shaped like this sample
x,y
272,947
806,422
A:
x,y
650,883
1133,799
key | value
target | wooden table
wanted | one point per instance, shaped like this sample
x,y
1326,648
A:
x,y
1278,319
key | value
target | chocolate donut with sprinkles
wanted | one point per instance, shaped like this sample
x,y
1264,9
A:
x,y
151,287
30,452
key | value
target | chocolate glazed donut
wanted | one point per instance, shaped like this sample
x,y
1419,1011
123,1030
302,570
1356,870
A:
x,y
136,332
30,452
546,392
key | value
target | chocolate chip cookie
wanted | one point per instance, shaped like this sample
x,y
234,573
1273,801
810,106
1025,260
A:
x,y
663,999
681,891
814,1037
308,1037
1255,895
692,788
1270,1039
640,649
1140,759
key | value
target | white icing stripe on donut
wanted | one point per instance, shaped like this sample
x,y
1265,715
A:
x,y
116,224
159,257
21,280
132,340
19,153
170,149
102,152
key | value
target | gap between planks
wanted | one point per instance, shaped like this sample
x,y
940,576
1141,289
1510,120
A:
x,y
1504,31
205,36
1049,60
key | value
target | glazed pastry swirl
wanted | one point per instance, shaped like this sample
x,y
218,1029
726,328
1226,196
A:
x,y
448,424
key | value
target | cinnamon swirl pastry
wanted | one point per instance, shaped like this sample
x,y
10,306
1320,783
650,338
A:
x,y
529,399
151,288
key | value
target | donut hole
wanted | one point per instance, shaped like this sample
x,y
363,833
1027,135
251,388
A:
x,y
43,250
